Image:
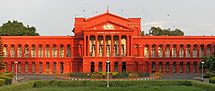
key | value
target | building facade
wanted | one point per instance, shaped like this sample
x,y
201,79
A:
x,y
106,36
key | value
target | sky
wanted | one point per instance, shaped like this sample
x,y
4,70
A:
x,y
57,17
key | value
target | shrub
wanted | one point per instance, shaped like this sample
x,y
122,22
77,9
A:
x,y
18,87
212,74
206,86
2,82
212,80
207,74
7,74
7,79
142,83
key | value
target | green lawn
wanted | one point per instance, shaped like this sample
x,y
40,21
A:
x,y
130,88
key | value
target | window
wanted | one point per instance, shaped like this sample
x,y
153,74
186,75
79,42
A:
x,y
93,50
174,51
33,51
47,51
115,50
146,51
54,67
40,51
19,51
68,51
181,51
26,51
61,51
160,51
54,51
12,51
33,67
153,51
40,67
12,67
61,67
108,50
100,50
195,51
123,50
19,67
26,67
5,51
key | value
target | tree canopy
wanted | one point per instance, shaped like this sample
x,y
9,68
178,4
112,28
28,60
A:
x,y
1,56
209,63
157,31
16,28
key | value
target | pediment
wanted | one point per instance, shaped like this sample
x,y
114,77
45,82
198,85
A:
x,y
108,26
107,21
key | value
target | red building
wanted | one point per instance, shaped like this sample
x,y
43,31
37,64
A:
x,y
106,36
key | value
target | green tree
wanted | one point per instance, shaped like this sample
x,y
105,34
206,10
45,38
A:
x,y
2,65
157,31
209,63
16,28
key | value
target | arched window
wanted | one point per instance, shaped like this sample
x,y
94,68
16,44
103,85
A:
x,y
181,51
167,66
188,51
167,51
19,67
40,67
40,51
47,51
12,67
26,51
195,51
160,51
33,67
194,67
61,51
61,67
33,51
153,67
181,67
146,51
115,66
174,67
208,50
174,51
5,51
47,65
54,67
153,51
201,51
68,51
100,66
54,51
12,51
26,67
19,51
188,67
160,67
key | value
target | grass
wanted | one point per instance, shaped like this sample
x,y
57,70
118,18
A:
x,y
129,88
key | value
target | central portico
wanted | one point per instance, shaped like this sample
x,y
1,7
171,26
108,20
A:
x,y
106,36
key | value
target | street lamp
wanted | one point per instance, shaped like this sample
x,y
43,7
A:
x,y
16,69
108,72
202,72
